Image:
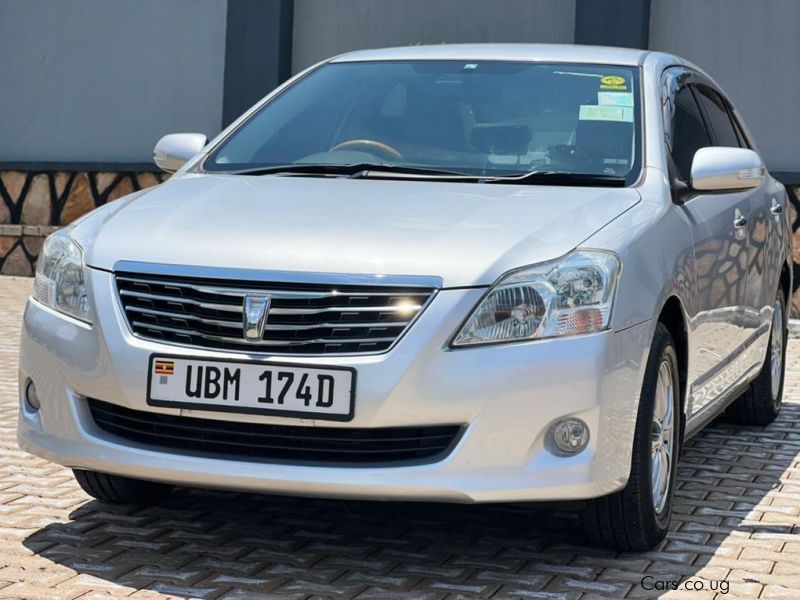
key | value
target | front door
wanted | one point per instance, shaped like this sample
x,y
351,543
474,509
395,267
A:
x,y
760,292
720,240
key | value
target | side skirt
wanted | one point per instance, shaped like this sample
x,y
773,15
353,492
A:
x,y
712,393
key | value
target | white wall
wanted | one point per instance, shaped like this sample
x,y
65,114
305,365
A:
x,y
323,28
102,80
751,48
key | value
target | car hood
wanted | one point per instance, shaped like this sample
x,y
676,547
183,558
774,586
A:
x,y
466,233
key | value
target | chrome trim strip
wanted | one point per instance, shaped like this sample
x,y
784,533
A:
x,y
173,315
243,342
270,327
258,275
274,311
241,292
345,309
336,325
225,307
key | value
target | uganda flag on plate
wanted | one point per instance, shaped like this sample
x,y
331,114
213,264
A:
x,y
164,367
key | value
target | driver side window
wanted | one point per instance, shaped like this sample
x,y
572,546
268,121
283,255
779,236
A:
x,y
689,132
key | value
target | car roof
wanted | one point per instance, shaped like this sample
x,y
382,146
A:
x,y
564,53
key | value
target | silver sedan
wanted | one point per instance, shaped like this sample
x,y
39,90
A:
x,y
456,273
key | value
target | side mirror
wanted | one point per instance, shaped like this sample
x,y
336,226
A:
x,y
720,169
172,151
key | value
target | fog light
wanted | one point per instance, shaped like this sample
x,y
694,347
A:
x,y
31,398
567,437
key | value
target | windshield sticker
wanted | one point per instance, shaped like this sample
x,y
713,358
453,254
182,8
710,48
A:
x,y
591,112
613,82
615,98
576,74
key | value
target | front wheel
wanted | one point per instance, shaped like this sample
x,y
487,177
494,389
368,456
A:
x,y
637,517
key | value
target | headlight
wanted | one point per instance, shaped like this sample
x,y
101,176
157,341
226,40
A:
x,y
60,282
567,297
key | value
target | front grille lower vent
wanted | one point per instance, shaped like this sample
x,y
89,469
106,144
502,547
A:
x,y
266,442
302,319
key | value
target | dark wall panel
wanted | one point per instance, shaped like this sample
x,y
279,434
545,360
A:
x,y
258,52
613,23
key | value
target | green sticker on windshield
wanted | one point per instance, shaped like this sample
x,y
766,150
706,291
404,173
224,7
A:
x,y
615,98
591,112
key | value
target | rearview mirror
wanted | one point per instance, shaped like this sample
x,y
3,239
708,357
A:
x,y
173,150
718,169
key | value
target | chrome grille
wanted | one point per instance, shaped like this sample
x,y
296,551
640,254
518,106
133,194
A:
x,y
304,318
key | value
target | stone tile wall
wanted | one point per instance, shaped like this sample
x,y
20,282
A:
x,y
33,204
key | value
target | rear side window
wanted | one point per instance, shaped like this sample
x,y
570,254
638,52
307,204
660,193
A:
x,y
689,132
718,118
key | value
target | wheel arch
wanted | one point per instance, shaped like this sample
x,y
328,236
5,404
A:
x,y
673,316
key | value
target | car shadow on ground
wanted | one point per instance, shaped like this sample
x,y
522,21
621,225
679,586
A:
x,y
209,544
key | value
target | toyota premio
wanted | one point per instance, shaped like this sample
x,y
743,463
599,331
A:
x,y
500,273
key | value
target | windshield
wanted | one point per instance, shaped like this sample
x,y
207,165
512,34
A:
x,y
486,118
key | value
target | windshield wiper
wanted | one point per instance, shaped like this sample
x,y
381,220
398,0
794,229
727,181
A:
x,y
355,171
389,171
559,178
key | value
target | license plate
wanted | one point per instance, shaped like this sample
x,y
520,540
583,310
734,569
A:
x,y
291,390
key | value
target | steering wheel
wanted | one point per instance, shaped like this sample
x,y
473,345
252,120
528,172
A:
x,y
371,146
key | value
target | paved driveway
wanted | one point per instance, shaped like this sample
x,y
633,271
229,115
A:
x,y
735,526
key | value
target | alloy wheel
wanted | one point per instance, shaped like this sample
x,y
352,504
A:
x,y
662,446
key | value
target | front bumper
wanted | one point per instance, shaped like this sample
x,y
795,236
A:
x,y
507,396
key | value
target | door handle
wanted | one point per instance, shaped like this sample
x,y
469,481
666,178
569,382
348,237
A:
x,y
740,222
776,208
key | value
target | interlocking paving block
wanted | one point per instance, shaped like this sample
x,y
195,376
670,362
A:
x,y
736,518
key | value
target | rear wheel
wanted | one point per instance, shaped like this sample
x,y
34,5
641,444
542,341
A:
x,y
637,517
762,401
115,489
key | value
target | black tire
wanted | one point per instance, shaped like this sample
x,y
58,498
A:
x,y
115,489
760,405
629,519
